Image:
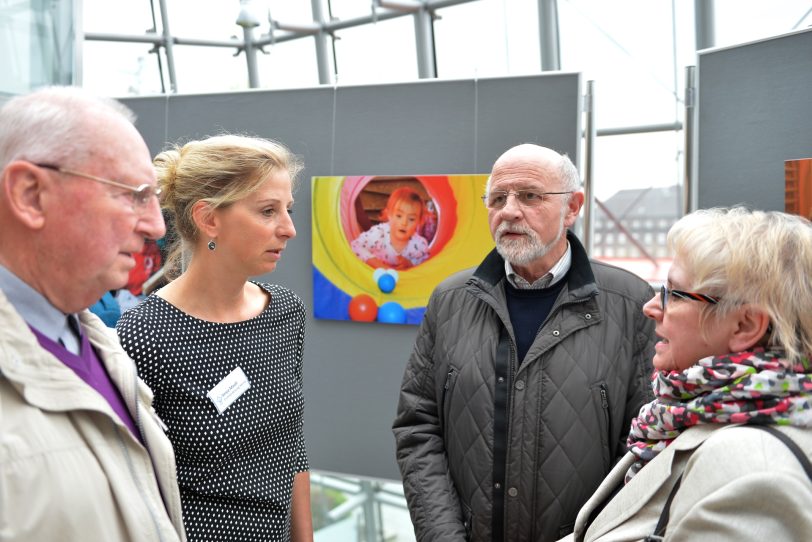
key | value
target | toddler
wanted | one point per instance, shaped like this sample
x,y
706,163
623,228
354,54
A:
x,y
395,243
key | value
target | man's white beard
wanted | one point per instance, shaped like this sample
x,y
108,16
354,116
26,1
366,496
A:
x,y
524,250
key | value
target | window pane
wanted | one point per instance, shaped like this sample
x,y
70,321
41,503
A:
x,y
120,69
290,64
636,180
349,9
637,161
739,21
487,38
119,16
218,23
209,69
633,65
286,11
377,53
37,45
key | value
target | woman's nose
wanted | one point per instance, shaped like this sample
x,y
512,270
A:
x,y
653,307
286,228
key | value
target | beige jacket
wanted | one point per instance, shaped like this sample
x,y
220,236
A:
x,y
69,468
741,484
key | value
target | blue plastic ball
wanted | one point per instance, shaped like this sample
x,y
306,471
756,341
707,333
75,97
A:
x,y
386,283
392,312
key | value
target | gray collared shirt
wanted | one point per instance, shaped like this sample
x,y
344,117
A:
x,y
36,310
554,275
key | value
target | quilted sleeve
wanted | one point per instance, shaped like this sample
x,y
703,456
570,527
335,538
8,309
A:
x,y
433,502
639,387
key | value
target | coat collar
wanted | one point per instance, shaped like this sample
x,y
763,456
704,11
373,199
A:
x,y
49,384
580,279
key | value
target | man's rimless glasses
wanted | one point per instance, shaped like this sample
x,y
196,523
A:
x,y
141,195
497,199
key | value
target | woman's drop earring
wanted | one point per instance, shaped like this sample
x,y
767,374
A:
x,y
212,245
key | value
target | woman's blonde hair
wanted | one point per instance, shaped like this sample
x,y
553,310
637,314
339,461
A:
x,y
219,170
760,258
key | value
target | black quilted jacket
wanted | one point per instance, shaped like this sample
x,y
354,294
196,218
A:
x,y
491,451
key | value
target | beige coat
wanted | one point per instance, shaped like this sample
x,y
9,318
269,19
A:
x,y
741,484
69,468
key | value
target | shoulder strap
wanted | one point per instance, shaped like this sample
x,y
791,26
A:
x,y
662,523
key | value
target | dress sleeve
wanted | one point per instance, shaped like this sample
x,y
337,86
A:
x,y
301,464
138,338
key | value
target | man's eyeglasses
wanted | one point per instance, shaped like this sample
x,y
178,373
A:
x,y
693,296
141,195
497,199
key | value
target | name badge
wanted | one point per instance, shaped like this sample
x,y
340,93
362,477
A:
x,y
229,390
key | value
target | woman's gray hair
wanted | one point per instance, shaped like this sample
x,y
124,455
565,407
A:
x,y
54,125
759,258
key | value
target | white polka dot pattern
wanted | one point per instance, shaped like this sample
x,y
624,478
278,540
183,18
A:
x,y
235,469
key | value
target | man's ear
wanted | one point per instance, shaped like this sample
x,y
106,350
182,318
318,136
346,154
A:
x,y
206,219
23,187
751,326
574,204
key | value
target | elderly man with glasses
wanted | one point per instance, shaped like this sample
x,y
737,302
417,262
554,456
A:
x,y
82,454
526,373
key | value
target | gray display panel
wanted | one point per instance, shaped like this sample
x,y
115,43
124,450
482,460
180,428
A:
x,y
755,111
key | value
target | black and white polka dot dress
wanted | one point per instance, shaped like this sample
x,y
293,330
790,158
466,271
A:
x,y
235,469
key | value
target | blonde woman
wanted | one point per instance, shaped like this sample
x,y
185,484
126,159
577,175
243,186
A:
x,y
735,331
222,353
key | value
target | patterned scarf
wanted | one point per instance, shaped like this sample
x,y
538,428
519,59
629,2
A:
x,y
748,387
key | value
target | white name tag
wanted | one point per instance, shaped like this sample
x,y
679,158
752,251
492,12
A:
x,y
229,390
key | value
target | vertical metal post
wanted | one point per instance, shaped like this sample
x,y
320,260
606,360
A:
x,y
248,20
370,516
251,56
322,45
590,135
424,40
77,23
689,128
704,24
548,35
170,56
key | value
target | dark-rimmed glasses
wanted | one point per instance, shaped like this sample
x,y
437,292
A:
x,y
141,195
693,296
497,199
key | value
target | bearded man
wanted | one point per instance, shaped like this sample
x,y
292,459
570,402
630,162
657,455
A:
x,y
526,372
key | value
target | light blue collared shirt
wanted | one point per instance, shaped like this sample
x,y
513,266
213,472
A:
x,y
37,311
557,272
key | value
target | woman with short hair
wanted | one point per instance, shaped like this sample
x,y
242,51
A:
x,y
735,330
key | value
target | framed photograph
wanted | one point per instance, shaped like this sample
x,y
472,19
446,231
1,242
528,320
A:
x,y
798,187
382,243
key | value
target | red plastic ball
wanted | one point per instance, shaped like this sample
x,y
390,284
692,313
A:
x,y
363,308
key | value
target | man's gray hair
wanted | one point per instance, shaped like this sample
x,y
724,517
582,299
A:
x,y
568,173
53,125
